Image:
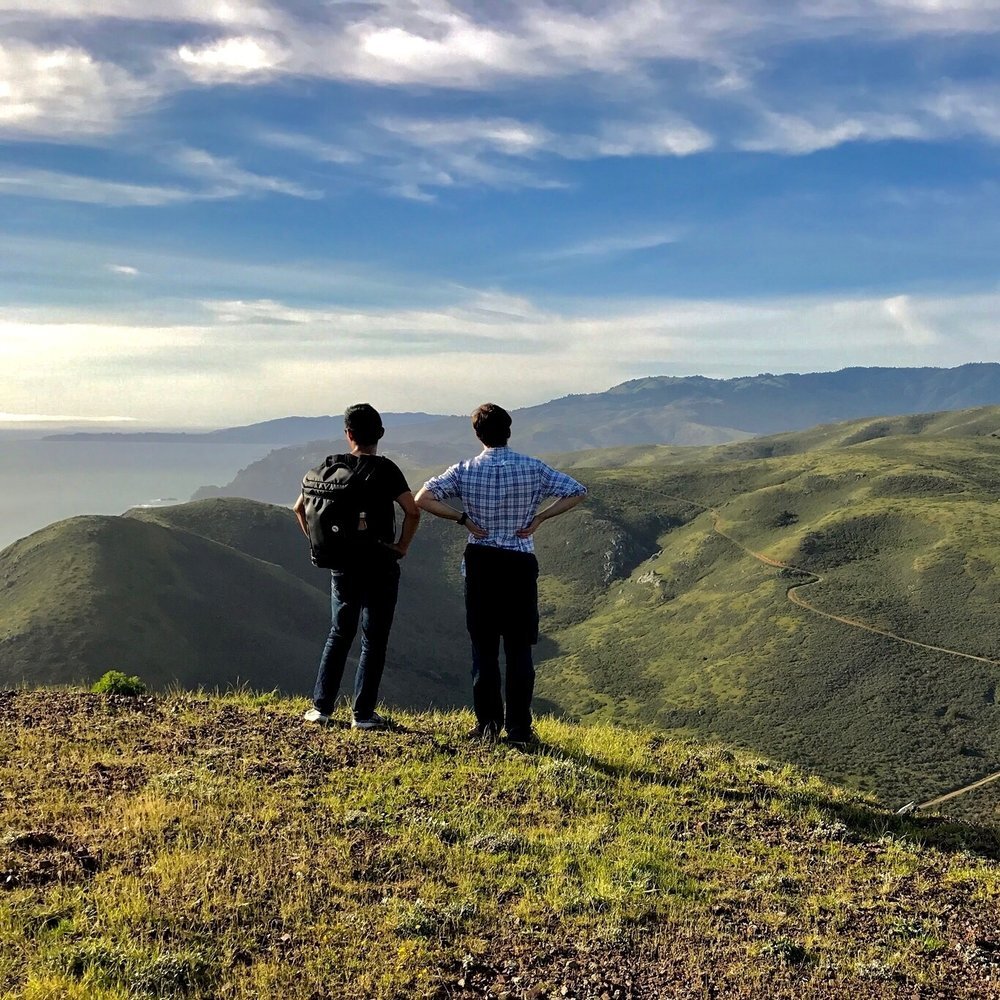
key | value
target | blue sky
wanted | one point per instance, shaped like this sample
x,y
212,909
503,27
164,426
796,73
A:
x,y
230,211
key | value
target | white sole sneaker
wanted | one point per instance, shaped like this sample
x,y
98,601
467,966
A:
x,y
375,722
315,715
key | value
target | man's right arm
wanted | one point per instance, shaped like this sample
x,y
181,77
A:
x,y
299,510
435,491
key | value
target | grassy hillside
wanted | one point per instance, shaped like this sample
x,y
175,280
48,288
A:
x,y
220,591
654,610
903,529
184,847
93,593
693,411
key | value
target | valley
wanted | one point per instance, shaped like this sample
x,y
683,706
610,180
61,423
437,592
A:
x,y
826,597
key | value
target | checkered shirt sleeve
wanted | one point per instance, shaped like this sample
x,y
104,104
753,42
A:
x,y
501,491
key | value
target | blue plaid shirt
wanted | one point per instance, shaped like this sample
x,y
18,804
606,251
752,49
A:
x,y
501,491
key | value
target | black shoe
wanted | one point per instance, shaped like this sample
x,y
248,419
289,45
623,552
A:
x,y
485,732
522,739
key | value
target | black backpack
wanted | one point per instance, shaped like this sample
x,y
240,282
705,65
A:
x,y
335,496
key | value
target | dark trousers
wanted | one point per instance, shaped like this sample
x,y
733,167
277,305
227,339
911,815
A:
x,y
501,602
365,596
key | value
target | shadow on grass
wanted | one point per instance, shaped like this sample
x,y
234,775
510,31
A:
x,y
861,822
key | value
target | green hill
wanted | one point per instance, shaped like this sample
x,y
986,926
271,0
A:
x,y
93,593
901,525
655,610
183,847
221,591
211,594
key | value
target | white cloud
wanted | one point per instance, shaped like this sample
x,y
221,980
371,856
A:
x,y
231,59
247,357
968,109
65,91
225,179
125,270
656,57
795,134
56,186
481,151
654,138
214,179
505,135
221,12
900,309
611,245
310,146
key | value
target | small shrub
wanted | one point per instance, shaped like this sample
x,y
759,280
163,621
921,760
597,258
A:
x,y
115,682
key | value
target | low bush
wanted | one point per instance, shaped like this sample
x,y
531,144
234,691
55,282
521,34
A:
x,y
115,682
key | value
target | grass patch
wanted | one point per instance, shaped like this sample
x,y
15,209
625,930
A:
x,y
208,847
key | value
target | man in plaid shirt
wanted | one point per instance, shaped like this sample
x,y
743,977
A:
x,y
500,492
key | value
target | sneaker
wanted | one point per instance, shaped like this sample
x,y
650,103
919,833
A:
x,y
485,732
315,715
522,739
374,721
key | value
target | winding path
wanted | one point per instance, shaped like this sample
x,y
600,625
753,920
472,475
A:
x,y
792,593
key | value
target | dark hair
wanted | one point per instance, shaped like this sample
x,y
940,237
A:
x,y
491,424
364,423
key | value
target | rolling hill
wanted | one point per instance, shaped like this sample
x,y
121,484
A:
x,y
655,609
98,593
899,520
691,411
217,592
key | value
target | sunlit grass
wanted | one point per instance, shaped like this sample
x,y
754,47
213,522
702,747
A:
x,y
238,853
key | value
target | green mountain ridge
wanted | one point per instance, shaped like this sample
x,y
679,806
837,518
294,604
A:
x,y
655,611
701,639
689,411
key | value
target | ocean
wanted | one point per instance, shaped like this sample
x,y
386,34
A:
x,y
45,481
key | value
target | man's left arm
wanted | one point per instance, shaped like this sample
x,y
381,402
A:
x,y
568,493
411,521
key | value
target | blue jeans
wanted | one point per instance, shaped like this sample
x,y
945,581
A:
x,y
365,595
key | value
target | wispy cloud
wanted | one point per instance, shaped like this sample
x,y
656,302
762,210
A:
x,y
448,355
223,178
505,135
246,11
310,146
56,186
206,178
125,270
685,67
795,134
64,91
611,245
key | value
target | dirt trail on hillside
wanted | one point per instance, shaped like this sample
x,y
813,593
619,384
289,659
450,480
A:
x,y
793,590
793,595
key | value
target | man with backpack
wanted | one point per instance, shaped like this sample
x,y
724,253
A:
x,y
346,511
500,493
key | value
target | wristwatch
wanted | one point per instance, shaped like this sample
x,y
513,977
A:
x,y
463,518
